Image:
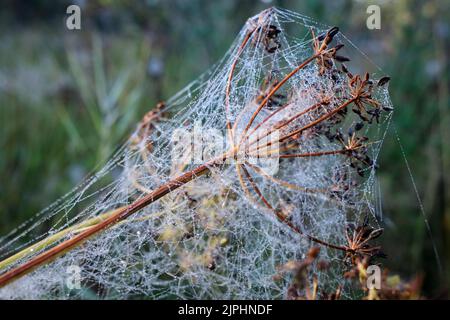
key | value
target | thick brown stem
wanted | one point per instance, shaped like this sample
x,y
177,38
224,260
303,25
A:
x,y
114,219
228,87
274,90
283,218
255,187
284,123
317,121
309,154
281,125
309,125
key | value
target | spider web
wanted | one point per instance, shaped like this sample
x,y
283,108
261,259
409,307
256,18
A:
x,y
213,238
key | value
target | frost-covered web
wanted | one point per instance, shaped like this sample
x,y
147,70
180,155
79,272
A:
x,y
218,236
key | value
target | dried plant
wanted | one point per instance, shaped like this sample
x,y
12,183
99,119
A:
x,y
392,287
306,286
167,228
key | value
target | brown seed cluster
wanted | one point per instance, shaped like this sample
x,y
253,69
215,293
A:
x,y
306,285
270,41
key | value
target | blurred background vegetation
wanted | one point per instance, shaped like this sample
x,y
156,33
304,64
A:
x,y
69,98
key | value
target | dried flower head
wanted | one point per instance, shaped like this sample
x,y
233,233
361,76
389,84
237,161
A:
x,y
183,221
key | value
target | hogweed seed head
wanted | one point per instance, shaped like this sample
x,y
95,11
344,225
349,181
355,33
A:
x,y
217,225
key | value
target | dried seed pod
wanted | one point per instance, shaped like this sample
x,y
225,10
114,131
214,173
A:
x,y
383,81
359,126
313,252
376,233
341,58
270,40
328,37
333,31
338,47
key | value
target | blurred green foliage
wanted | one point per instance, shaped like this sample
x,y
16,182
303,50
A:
x,y
69,98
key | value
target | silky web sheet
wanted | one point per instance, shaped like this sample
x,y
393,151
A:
x,y
214,237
